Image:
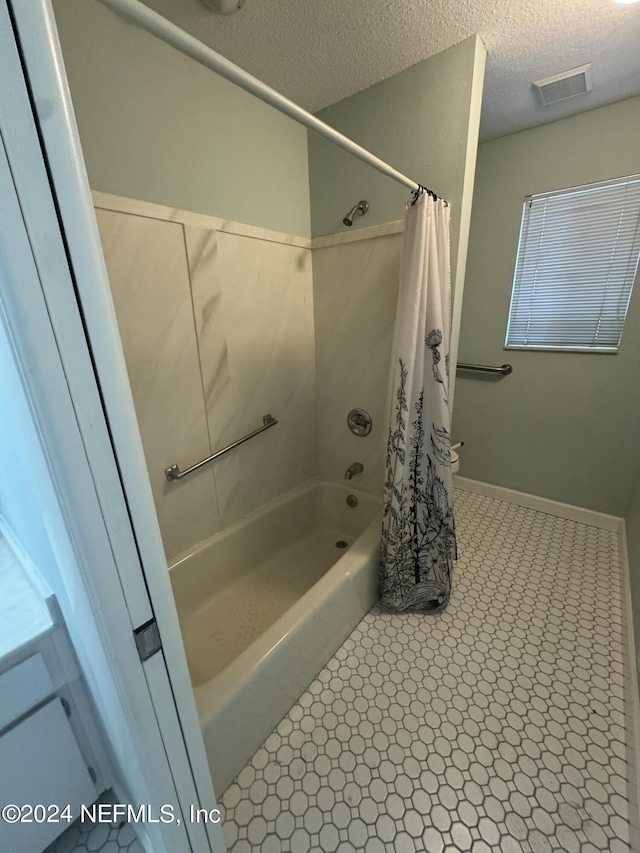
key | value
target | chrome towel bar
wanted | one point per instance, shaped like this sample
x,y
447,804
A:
x,y
174,473
504,369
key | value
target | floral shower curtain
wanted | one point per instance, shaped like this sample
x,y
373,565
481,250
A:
x,y
418,531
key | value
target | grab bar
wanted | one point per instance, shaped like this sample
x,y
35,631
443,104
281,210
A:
x,y
174,473
505,369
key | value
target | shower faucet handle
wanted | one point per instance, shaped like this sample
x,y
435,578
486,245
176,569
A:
x,y
359,422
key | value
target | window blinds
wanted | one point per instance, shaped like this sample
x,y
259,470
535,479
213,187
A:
x,y
577,261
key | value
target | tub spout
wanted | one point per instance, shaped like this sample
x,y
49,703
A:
x,y
352,470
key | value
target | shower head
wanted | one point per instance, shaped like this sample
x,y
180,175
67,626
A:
x,y
358,209
224,7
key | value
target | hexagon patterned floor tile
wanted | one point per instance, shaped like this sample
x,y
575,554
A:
x,y
495,726
90,837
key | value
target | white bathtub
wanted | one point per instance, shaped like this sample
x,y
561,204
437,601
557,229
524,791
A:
x,y
264,604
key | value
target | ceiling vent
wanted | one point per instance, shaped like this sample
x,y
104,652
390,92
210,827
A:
x,y
568,84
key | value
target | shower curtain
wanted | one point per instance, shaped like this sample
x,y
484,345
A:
x,y
418,531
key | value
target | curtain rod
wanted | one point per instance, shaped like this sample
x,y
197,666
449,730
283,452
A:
x,y
190,46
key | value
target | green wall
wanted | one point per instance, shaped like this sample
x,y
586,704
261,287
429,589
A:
x,y
157,126
632,523
418,121
423,122
563,425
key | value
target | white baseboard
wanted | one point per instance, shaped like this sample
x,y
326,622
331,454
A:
x,y
573,513
632,699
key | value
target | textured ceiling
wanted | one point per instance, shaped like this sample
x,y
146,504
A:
x,y
317,53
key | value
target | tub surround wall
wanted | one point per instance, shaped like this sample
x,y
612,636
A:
x,y
242,321
202,249
158,126
564,425
149,279
268,314
216,322
355,286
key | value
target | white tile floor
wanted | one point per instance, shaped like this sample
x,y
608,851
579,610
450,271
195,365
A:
x,y
497,725
88,837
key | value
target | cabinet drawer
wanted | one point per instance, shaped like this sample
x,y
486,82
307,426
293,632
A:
x,y
41,764
22,687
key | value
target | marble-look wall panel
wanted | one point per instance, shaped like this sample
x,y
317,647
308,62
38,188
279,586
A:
x,y
267,306
218,330
211,328
355,294
147,264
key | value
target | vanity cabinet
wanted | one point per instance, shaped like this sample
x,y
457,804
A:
x,y
51,746
42,765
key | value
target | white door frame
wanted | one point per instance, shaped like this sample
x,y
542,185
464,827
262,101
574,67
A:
x,y
55,296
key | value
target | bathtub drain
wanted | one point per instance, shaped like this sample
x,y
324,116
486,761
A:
x,y
342,544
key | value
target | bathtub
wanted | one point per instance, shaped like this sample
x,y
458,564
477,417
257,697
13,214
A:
x,y
265,603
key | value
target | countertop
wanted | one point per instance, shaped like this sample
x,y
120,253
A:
x,y
25,601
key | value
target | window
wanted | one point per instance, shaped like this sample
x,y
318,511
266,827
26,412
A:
x,y
577,261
